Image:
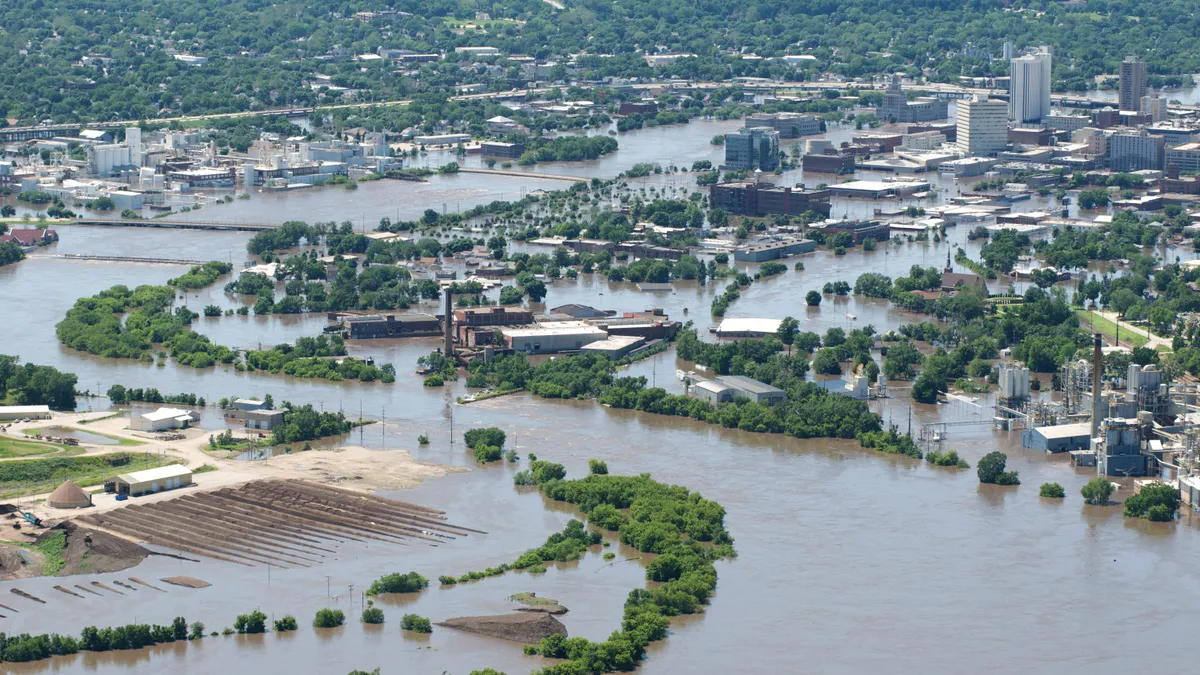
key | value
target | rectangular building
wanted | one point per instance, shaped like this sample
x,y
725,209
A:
x,y
264,420
878,189
151,481
758,392
163,419
20,412
773,250
788,124
897,109
497,149
404,325
1185,157
1135,151
1067,123
982,126
1029,86
711,391
1061,438
750,198
615,347
747,328
552,338
1132,83
750,149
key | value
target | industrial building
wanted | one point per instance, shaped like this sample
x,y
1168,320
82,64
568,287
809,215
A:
x,y
264,420
758,392
150,481
247,404
756,198
859,230
163,419
469,320
615,347
879,189
404,325
20,412
1119,448
552,338
747,328
711,391
1061,438
773,250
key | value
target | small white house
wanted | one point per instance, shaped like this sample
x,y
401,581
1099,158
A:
x,y
163,419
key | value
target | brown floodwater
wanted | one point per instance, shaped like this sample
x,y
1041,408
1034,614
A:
x,y
849,562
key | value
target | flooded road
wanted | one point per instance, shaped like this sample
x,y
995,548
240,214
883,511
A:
x,y
849,562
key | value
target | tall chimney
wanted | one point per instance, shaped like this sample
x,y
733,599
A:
x,y
448,326
1097,369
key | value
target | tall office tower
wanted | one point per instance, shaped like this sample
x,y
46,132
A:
x,y
1133,83
1029,86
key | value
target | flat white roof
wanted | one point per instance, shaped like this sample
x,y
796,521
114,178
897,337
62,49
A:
x,y
614,342
749,326
161,473
166,414
878,185
24,409
1066,430
555,328
712,386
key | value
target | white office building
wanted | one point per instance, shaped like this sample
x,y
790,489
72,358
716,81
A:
x,y
1029,86
982,126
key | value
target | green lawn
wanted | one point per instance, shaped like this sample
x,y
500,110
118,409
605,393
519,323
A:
x,y
34,476
1109,328
21,448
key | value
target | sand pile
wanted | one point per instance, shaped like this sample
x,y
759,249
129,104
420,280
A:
x,y
187,582
526,627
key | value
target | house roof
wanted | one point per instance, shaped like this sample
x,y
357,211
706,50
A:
x,y
952,279
29,237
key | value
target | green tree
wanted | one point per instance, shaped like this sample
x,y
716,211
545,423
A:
x,y
1156,501
991,466
813,298
826,363
788,328
417,624
1097,491
329,618
1051,491
372,615
254,622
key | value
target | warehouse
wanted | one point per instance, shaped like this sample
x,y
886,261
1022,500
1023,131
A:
x,y
150,481
552,338
404,325
773,250
745,387
1059,438
712,391
748,328
264,420
163,419
615,347
20,412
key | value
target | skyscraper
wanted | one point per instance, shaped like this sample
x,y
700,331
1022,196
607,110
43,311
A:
x,y
1133,83
982,125
1029,86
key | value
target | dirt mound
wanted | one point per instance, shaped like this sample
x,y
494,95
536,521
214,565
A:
x,y
104,553
18,563
535,604
526,627
188,582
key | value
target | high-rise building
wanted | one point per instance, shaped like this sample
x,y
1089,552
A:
x,y
982,125
754,148
1029,86
1133,83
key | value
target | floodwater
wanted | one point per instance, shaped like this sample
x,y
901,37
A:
x,y
849,562
80,435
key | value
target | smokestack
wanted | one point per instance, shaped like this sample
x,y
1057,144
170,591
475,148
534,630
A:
x,y
1097,369
448,325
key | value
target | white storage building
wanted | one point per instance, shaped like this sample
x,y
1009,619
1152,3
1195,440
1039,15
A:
x,y
163,419
552,338
18,412
153,480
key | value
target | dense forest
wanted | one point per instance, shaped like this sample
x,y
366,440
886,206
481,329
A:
x,y
102,59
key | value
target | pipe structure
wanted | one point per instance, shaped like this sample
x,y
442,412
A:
x,y
1097,370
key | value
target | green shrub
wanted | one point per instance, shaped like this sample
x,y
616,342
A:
x,y
287,623
422,440
447,581
254,622
329,618
398,583
512,456
1097,491
486,436
947,458
1051,491
417,624
597,467
372,615
487,453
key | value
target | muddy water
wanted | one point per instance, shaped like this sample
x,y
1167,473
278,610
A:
x,y
847,559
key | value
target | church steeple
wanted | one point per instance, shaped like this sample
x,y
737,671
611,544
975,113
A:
x,y
949,269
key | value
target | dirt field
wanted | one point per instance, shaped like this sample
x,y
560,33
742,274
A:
x,y
525,627
351,467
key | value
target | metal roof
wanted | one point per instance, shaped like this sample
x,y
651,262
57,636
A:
x,y
24,409
161,473
1083,429
748,325
166,414
748,384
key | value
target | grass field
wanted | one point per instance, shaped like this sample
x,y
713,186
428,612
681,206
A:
x,y
1109,329
10,447
35,476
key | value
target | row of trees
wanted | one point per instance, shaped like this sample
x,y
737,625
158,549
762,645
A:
x,y
30,384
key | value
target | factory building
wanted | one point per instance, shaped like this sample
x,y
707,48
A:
x,y
404,325
1119,448
773,250
615,347
1061,438
747,328
712,391
150,481
552,338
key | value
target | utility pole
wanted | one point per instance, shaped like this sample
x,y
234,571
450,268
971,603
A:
x,y
327,586
383,430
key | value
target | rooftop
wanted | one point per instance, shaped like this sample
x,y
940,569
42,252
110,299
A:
x,y
24,409
161,473
1066,430
748,384
749,325
554,328
167,414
